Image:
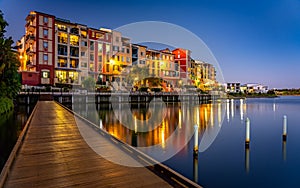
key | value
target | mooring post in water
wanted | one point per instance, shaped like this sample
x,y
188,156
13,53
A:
x,y
247,141
284,134
196,139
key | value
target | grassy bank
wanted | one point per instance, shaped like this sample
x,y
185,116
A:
x,y
6,105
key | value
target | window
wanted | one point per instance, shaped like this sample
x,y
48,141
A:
x,y
107,48
62,62
45,57
142,53
92,57
74,30
115,48
92,45
107,67
74,40
82,54
99,58
83,43
107,58
127,50
45,74
61,27
91,67
117,39
74,63
122,58
62,50
45,45
45,32
62,38
45,19
123,50
100,47
99,36
84,64
83,33
74,51
128,59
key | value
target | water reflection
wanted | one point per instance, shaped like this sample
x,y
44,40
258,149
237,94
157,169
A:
x,y
178,122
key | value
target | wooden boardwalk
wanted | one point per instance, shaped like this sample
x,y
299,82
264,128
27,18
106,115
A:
x,y
54,154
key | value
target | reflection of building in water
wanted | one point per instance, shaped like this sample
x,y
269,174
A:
x,y
177,116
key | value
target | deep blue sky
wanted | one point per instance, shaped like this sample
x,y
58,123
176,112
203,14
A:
x,y
253,41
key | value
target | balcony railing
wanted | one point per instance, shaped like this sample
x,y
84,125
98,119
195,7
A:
x,y
30,37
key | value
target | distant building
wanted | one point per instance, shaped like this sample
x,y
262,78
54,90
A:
x,y
254,88
233,87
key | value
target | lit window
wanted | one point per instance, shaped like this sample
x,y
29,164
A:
x,y
107,48
99,36
74,40
45,74
83,34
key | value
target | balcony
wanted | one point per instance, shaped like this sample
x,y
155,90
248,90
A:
x,y
30,50
30,38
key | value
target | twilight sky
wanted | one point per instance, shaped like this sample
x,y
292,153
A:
x,y
253,40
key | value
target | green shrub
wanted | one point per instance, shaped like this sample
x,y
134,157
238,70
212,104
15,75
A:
x,y
6,105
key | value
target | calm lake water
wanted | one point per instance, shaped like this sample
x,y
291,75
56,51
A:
x,y
270,162
11,125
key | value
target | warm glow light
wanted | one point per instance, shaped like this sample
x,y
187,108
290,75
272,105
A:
x,y
163,144
179,119
135,124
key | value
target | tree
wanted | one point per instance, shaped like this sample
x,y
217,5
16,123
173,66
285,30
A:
x,y
89,83
9,63
137,73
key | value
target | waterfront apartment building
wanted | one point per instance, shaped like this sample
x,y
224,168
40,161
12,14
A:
x,y
233,87
56,51
37,51
183,58
203,74
162,64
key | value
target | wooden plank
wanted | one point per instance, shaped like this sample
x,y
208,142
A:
x,y
55,155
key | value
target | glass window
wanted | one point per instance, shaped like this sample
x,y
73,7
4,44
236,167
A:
x,y
83,33
92,45
45,57
45,44
45,32
83,43
100,47
62,50
107,67
74,63
122,58
45,20
84,64
62,38
61,27
74,40
92,57
99,58
74,51
115,48
127,50
128,59
82,54
45,74
62,62
107,48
